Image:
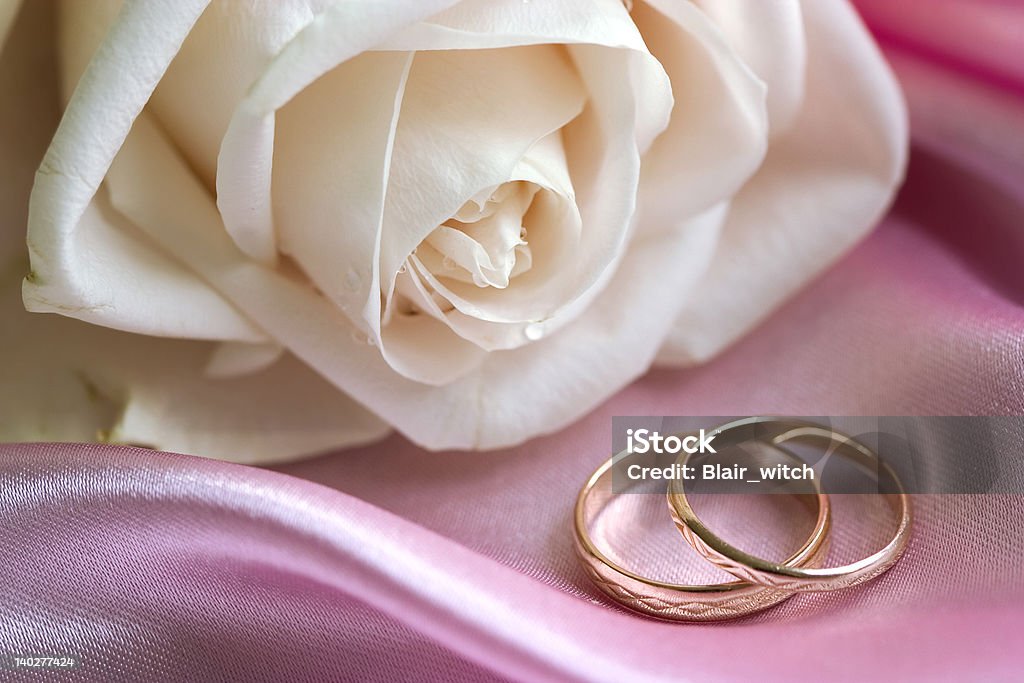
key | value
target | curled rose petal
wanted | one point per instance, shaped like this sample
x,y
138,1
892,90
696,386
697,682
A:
x,y
474,218
823,185
64,380
770,39
717,135
81,382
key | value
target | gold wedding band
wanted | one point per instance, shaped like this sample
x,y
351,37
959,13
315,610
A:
x,y
788,576
682,602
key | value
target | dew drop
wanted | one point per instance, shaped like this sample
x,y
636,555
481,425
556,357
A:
x,y
534,331
352,279
402,269
360,338
522,234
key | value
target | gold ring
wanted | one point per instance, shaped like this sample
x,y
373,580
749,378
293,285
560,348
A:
x,y
676,602
788,576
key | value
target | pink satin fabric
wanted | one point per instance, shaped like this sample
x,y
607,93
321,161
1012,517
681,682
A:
x,y
153,566
390,563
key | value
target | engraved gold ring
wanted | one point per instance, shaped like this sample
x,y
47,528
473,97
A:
x,y
677,602
789,576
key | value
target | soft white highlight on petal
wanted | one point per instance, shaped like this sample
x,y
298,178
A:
x,y
824,184
245,161
768,36
719,129
332,161
224,55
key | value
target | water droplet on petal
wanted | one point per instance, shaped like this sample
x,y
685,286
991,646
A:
x,y
522,234
352,279
361,338
534,331
402,269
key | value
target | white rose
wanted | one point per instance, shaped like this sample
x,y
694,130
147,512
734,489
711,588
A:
x,y
476,219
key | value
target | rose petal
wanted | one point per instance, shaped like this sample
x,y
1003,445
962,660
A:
x,y
484,24
111,275
467,119
332,159
769,38
508,397
245,161
234,359
423,349
225,53
718,133
65,380
145,292
823,185
555,236
101,112
545,386
613,201
136,288
605,163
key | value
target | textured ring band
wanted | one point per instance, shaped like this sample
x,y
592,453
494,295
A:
x,y
789,577
677,602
